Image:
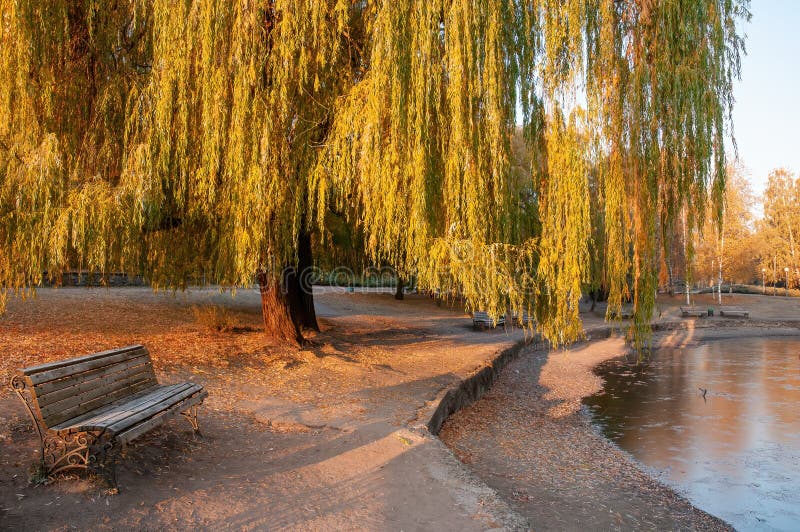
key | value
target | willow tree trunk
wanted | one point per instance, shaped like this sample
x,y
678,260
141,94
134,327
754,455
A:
x,y
303,280
398,292
719,278
280,322
668,261
686,264
287,304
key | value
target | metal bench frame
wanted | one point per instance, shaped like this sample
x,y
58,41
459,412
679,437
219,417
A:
x,y
97,450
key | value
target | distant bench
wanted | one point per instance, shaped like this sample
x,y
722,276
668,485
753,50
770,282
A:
x,y
524,320
482,320
86,408
695,312
625,313
733,311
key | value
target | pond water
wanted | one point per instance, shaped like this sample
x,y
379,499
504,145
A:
x,y
735,453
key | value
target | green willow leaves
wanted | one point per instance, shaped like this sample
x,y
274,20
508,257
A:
x,y
196,139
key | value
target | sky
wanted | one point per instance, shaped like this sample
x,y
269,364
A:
x,y
766,116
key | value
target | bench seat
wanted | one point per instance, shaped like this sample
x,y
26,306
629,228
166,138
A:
x,y
125,418
482,320
525,320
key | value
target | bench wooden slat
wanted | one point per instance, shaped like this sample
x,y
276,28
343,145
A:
x,y
119,408
94,390
128,417
98,412
144,412
50,392
94,380
85,358
46,388
93,404
79,367
136,431
64,425
125,409
123,415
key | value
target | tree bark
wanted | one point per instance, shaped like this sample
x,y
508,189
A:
x,y
721,250
686,260
280,322
668,261
398,292
303,283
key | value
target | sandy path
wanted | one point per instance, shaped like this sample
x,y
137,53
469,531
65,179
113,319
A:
x,y
313,439
323,438
529,440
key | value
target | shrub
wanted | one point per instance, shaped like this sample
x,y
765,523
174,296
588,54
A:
x,y
214,318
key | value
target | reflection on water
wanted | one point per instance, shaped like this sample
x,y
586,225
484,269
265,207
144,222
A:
x,y
734,453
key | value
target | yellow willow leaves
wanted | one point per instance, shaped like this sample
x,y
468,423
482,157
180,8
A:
x,y
421,147
496,278
195,140
564,214
233,112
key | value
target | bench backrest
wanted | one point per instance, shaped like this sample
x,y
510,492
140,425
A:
x,y
68,388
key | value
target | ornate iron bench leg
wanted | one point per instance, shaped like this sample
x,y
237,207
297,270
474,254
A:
x,y
62,452
90,451
191,415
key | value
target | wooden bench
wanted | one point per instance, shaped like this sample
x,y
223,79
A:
x,y
695,312
86,408
625,313
729,310
524,321
482,320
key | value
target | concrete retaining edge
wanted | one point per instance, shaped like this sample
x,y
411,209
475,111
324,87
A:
x,y
473,387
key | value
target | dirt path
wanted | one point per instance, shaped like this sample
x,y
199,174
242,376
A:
x,y
313,439
528,439
322,438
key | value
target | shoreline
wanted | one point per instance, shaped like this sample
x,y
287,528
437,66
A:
x,y
342,425
530,439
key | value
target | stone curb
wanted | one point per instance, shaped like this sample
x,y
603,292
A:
x,y
433,415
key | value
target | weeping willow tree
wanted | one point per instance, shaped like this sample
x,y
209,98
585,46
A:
x,y
189,156
635,93
208,139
